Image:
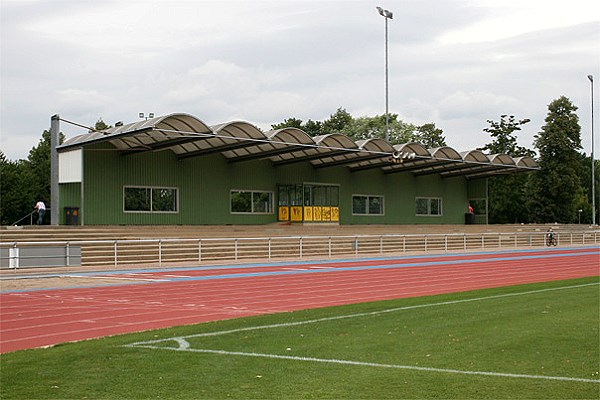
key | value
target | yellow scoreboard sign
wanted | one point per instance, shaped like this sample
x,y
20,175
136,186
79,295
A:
x,y
284,213
335,214
308,214
296,213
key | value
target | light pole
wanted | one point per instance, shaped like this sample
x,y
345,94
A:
x,y
591,78
386,14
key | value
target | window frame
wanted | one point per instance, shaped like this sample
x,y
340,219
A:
x,y
429,200
271,204
368,198
151,190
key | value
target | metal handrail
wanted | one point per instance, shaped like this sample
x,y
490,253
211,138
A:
x,y
195,251
28,215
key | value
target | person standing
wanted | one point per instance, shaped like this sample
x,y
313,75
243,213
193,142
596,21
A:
x,y
41,209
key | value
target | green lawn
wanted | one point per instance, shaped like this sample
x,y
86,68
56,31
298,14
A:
x,y
536,341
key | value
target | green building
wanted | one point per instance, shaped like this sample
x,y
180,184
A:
x,y
176,170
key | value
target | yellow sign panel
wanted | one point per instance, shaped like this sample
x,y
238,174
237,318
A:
x,y
308,213
317,213
326,214
296,213
335,214
284,213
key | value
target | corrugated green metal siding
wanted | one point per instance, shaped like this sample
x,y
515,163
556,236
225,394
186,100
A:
x,y
69,196
204,185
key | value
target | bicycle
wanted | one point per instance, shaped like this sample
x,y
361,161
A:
x,y
550,240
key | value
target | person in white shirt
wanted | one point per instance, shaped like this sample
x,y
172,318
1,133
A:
x,y
41,209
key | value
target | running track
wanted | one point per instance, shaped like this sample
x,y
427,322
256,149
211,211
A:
x,y
173,297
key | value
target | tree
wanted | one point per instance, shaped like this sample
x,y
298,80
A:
x,y
374,127
337,121
554,189
24,182
507,194
100,125
288,123
429,136
15,193
504,139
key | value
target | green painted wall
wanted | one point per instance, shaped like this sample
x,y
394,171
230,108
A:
x,y
204,185
69,196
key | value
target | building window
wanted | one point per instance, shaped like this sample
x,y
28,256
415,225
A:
x,y
428,206
149,199
251,202
367,205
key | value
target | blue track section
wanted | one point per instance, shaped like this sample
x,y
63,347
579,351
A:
x,y
382,263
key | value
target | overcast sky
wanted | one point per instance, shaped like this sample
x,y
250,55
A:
x,y
456,63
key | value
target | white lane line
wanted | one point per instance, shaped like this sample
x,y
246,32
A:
x,y
116,278
185,346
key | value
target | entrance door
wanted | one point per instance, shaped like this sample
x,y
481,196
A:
x,y
309,203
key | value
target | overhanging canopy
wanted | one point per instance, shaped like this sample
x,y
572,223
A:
x,y
187,136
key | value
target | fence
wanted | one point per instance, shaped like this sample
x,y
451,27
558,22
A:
x,y
180,252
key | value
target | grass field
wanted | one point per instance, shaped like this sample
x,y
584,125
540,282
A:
x,y
536,341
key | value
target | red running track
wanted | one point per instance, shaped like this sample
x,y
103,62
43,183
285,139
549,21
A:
x,y
186,296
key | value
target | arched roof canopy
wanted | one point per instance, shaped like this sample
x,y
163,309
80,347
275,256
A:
x,y
475,156
187,136
278,143
502,159
526,162
364,151
157,133
228,137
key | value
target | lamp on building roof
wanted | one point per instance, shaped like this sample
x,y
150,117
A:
x,y
142,115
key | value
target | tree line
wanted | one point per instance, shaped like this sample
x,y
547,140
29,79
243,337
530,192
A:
x,y
559,192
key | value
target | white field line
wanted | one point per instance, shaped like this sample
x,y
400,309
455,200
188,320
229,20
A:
x,y
185,346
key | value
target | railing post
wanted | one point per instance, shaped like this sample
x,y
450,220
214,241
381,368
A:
x,y
403,244
464,241
235,249
270,239
425,243
446,243
329,246
115,254
381,244
300,244
68,255
160,253
199,250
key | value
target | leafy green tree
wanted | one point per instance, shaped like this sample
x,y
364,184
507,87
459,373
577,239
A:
x,y
15,191
337,122
429,136
100,125
507,194
503,137
288,123
313,128
554,189
374,127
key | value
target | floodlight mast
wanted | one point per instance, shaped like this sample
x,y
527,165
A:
x,y
591,78
386,14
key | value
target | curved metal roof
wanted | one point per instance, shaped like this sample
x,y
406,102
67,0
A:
x,y
187,136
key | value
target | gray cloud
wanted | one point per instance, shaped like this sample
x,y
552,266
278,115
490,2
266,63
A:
x,y
269,60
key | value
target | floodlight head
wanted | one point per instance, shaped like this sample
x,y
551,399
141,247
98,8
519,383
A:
x,y
591,78
141,115
385,13
151,115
